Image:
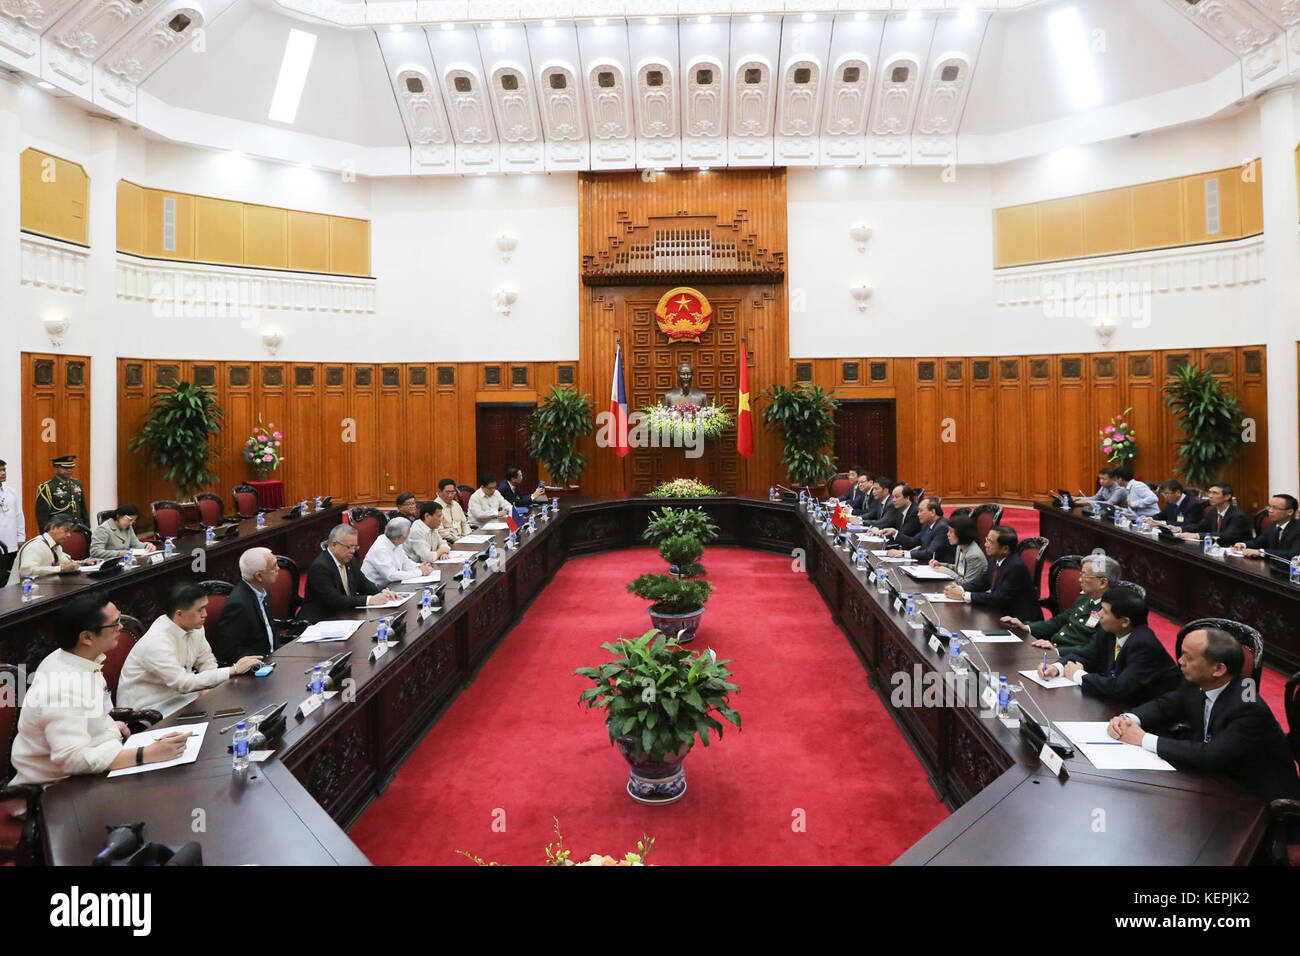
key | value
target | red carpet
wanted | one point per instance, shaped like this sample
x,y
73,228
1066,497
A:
x,y
818,745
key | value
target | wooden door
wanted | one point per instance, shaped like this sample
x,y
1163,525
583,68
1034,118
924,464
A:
x,y
503,440
56,421
864,436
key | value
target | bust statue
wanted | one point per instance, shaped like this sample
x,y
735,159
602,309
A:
x,y
683,394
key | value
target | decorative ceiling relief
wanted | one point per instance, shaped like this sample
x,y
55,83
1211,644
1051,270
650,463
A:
x,y
800,87
130,62
424,118
656,100
751,99
704,85
471,120
515,109
607,93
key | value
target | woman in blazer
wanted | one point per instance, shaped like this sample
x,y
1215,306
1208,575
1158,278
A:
x,y
969,564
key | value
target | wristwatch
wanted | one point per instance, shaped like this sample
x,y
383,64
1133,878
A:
x,y
139,756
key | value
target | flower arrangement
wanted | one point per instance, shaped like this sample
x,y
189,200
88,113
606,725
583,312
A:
x,y
686,422
682,488
557,855
262,449
1118,441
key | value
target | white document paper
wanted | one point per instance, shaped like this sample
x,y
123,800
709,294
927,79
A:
x,y
431,578
938,597
457,556
1058,681
496,526
402,598
979,637
923,572
329,631
475,539
140,551
870,539
192,747
1105,752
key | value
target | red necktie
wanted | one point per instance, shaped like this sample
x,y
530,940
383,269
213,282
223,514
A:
x,y
994,583
1219,526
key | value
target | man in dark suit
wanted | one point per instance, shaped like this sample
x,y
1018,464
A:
x,y
1281,537
335,583
853,474
931,544
856,496
246,625
902,519
1124,660
1233,732
512,489
1181,510
876,505
1010,588
1224,520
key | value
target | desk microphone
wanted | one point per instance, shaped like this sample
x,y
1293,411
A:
x,y
1044,732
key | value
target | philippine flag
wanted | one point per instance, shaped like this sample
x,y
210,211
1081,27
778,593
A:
x,y
618,408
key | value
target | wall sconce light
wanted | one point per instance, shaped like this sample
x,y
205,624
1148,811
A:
x,y
504,299
272,341
1104,326
506,243
860,233
54,328
861,293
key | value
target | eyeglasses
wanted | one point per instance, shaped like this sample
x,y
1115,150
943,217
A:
x,y
347,547
112,625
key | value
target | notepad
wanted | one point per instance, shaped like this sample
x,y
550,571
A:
x,y
870,539
1107,753
923,572
432,578
475,539
458,556
495,526
1058,681
940,598
192,747
402,598
992,637
323,631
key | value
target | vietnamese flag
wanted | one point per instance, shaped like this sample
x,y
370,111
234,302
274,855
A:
x,y
618,408
744,426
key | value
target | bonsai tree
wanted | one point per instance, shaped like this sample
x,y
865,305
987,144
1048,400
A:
x,y
805,414
682,552
175,436
671,595
553,429
671,522
1210,419
660,694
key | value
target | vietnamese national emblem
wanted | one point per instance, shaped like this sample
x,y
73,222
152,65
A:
x,y
683,315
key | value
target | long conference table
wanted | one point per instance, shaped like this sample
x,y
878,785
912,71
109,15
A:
x,y
295,807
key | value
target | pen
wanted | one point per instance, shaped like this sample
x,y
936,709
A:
x,y
1108,743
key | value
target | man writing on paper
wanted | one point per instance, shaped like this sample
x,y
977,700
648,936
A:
x,y
1233,732
424,543
487,504
43,554
1074,628
334,582
1125,660
64,727
387,561
173,657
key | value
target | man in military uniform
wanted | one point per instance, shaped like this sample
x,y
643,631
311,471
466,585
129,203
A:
x,y
62,494
1074,628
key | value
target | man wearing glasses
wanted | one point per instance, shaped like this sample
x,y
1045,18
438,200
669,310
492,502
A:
x,y
1282,536
64,727
334,582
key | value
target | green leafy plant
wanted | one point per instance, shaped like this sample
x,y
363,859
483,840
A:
x,y
683,551
682,488
671,595
660,694
175,436
805,415
553,429
1210,419
672,522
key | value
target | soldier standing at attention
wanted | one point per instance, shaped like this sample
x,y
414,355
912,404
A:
x,y
62,494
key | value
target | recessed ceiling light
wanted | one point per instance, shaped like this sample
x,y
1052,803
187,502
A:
x,y
1075,59
548,23
653,21
913,16
704,19
861,15
45,85
396,28
449,26
600,21
498,24
298,50
884,165
808,17
756,18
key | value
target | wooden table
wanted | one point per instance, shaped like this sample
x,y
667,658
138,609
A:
x,y
342,756
1184,583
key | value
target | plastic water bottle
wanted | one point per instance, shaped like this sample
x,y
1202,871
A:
x,y
29,586
1208,545
381,635
467,574
1295,569
492,552
510,541
303,506
209,537
319,505
1096,509
128,559
426,597
956,659
1138,524
771,492
1004,697
532,524
317,681
169,547
860,560
882,580
1119,518
261,520
240,746
914,619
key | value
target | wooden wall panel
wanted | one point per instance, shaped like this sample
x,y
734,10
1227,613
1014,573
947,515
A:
x,y
218,230
266,237
130,217
309,242
153,225
349,246
54,197
1015,235
1060,228
1158,215
55,421
1251,188
1011,412
1108,222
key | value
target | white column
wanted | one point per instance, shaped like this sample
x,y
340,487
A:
x,y
101,290
11,372
1282,281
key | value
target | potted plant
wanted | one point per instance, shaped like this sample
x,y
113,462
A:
x,y
1210,419
175,437
669,522
1118,440
657,696
683,552
262,449
553,429
677,603
805,415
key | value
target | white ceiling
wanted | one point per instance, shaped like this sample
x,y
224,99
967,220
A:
x,y
795,83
